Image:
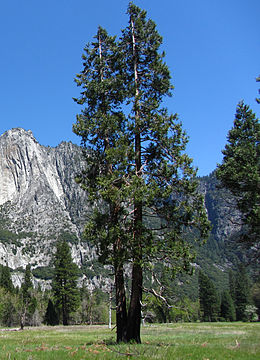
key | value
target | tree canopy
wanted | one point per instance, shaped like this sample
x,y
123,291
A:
x,y
142,184
64,282
5,279
209,302
240,173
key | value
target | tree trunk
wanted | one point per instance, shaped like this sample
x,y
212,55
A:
x,y
121,314
22,319
134,312
64,313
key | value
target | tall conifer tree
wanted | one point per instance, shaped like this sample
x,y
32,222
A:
x,y
209,302
242,293
227,308
136,165
28,300
64,282
240,174
5,279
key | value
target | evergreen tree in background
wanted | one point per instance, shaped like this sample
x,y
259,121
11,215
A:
x,y
227,308
242,293
51,316
256,296
232,285
5,279
27,284
29,302
208,297
240,173
64,282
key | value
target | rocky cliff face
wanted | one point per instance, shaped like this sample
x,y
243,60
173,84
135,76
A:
x,y
39,200
41,203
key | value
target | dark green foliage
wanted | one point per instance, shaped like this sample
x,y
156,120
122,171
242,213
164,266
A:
x,y
9,314
5,279
232,285
240,173
27,284
51,316
68,237
242,294
256,296
64,282
28,300
135,162
227,308
208,297
7,236
43,272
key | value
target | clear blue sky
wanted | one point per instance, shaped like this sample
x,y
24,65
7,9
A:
x,y
212,49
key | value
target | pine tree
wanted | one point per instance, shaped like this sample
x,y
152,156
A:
x,y
208,297
27,284
240,173
64,282
227,308
241,294
51,316
28,300
256,296
232,285
5,279
137,172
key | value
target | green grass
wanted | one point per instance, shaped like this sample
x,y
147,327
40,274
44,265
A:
x,y
203,341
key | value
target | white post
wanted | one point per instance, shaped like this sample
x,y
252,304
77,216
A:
x,y
110,309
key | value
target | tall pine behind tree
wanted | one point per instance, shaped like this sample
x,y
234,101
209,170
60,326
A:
x,y
5,279
64,282
208,297
240,174
242,293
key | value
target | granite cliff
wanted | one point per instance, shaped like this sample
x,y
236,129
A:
x,y
39,201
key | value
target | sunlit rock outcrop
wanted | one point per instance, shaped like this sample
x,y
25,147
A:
x,y
39,200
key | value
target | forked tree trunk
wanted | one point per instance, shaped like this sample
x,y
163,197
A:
x,y
134,312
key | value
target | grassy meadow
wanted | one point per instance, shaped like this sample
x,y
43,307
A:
x,y
203,341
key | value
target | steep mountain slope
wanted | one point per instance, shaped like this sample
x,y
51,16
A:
x,y
39,200
40,203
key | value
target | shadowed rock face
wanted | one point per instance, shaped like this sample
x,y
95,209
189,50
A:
x,y
39,199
